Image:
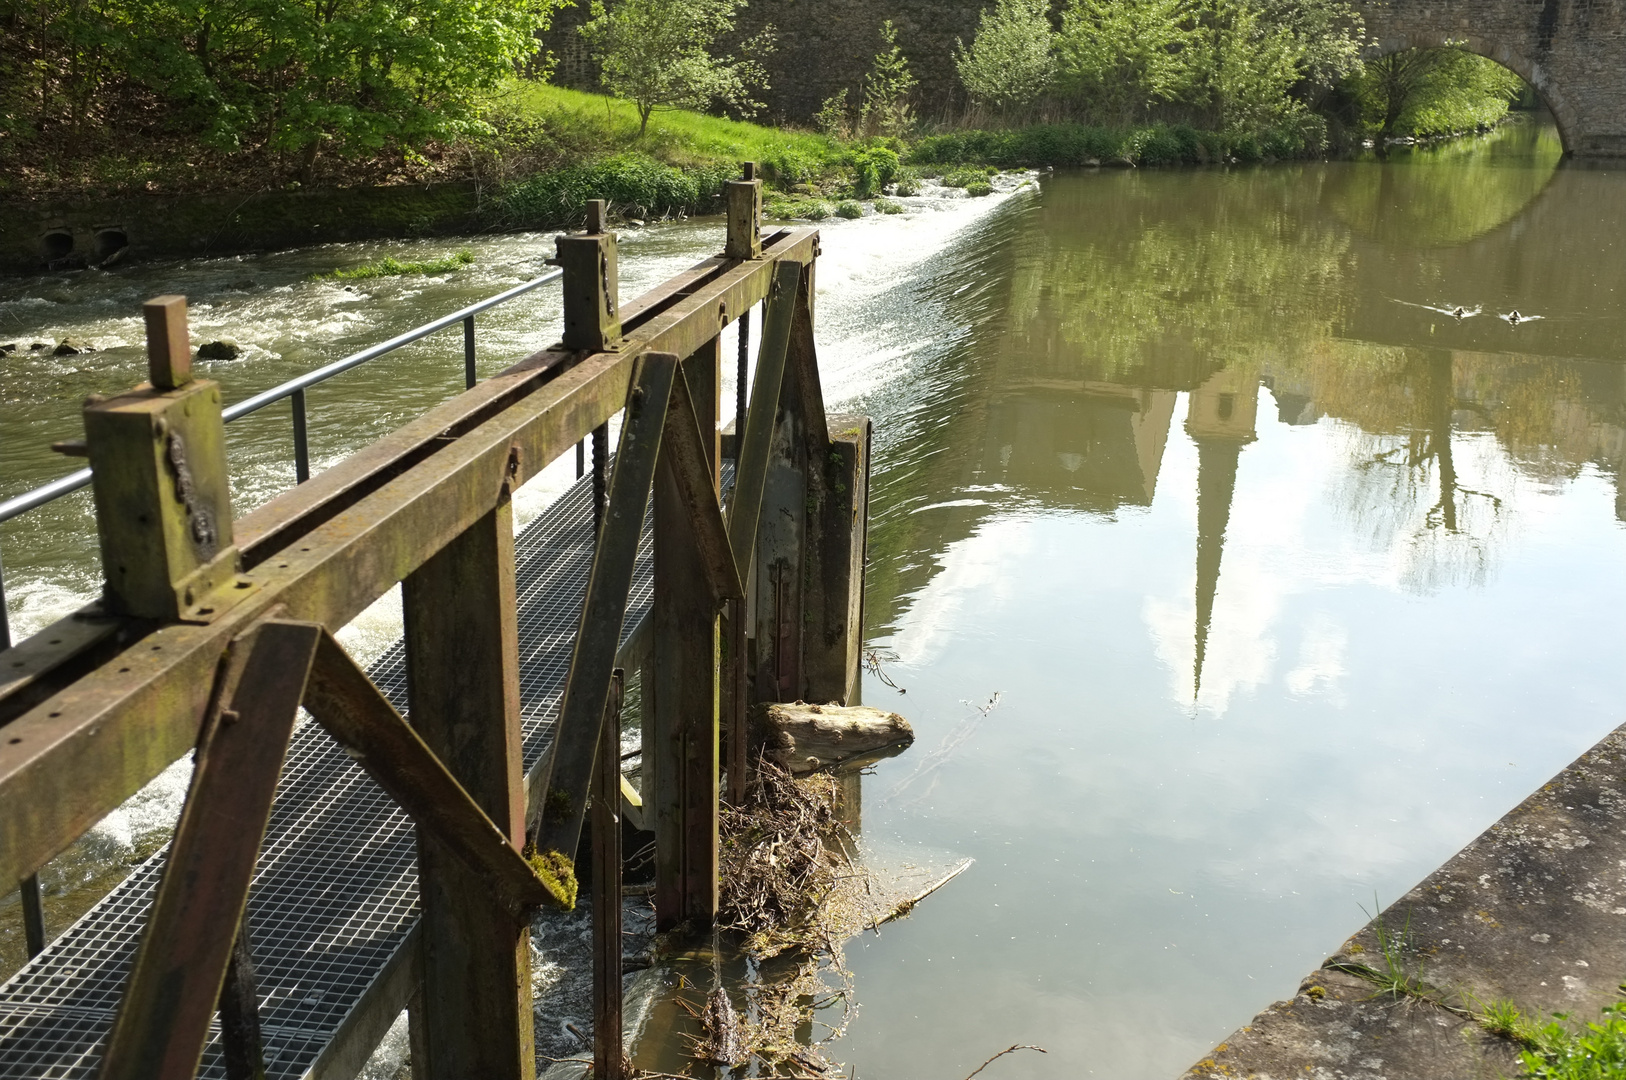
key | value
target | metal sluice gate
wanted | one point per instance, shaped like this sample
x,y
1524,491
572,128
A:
x,y
335,891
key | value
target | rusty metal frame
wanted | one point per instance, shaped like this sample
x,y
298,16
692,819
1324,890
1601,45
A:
x,y
80,742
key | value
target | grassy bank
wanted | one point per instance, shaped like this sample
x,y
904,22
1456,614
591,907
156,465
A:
x,y
557,148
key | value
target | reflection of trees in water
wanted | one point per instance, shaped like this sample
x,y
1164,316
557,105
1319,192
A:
x,y
1435,196
1157,281
1435,497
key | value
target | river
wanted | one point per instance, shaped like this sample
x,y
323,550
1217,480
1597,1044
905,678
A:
x,y
1234,579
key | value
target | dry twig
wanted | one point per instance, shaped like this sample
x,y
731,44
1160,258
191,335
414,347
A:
x,y
1007,1050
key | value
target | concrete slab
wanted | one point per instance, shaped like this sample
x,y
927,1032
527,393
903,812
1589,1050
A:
x,y
1533,911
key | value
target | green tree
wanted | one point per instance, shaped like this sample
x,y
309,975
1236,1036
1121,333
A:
x,y
1118,58
1243,65
658,54
282,75
1432,92
1010,62
886,109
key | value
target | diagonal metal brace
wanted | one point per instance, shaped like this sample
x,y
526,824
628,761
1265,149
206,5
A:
x,y
361,719
683,451
557,793
163,1021
756,441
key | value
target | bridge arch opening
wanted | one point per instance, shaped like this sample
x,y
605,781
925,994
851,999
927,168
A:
x,y
1534,75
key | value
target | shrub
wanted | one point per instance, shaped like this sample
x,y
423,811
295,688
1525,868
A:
x,y
1010,61
873,169
887,206
630,182
849,208
978,188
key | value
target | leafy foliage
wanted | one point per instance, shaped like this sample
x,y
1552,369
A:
x,y
658,54
1597,1052
1119,58
1010,61
349,76
1432,92
634,184
886,109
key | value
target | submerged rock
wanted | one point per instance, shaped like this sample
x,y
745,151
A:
x,y
223,349
71,346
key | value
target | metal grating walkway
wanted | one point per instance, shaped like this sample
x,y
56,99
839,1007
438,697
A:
x,y
336,889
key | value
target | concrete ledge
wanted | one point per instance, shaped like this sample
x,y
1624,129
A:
x,y
1534,911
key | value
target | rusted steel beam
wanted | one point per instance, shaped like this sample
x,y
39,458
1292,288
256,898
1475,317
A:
x,y
80,753
241,1044
607,1051
462,655
560,791
746,503
163,1020
681,762
693,468
361,719
802,369
40,666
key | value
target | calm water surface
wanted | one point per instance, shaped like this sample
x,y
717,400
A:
x,y
1232,581
1287,584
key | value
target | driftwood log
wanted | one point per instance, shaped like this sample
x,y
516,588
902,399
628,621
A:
x,y
802,737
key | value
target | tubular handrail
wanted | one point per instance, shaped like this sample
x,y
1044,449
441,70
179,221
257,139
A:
x,y
321,374
28,500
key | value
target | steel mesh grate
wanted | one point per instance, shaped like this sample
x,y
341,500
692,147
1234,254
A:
x,y
336,887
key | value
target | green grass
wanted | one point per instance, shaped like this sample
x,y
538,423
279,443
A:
x,y
391,267
578,123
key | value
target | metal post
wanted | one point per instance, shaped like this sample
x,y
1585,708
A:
x,y
607,1050
33,910
468,353
158,463
581,458
462,647
601,464
742,374
683,766
33,916
302,456
592,284
743,202
241,1044
5,618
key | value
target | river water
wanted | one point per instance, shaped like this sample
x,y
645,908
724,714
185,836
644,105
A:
x,y
1235,581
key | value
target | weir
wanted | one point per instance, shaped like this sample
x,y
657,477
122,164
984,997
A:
x,y
388,851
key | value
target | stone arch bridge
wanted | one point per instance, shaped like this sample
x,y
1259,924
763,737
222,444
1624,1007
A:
x,y
1572,51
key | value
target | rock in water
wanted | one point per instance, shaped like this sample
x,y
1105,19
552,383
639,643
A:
x,y
804,737
722,1042
72,346
219,350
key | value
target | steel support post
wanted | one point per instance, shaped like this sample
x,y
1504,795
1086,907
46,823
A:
x,y
682,785
591,284
743,200
462,650
834,580
158,459
607,1049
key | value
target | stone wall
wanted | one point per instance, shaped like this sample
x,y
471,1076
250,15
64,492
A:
x,y
58,234
1572,51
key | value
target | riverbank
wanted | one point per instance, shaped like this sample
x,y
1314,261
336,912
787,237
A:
x,y
1461,973
549,150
